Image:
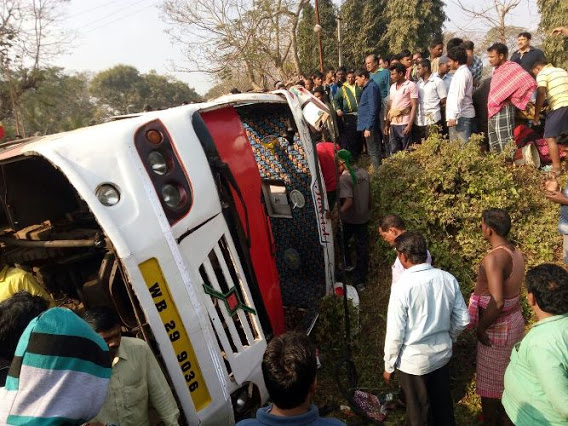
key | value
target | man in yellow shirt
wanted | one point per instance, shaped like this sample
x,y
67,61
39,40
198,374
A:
x,y
552,85
14,280
137,380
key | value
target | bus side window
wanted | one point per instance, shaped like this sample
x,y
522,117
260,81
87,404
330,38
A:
x,y
277,202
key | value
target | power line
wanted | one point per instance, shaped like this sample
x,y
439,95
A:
x,y
112,14
119,19
82,12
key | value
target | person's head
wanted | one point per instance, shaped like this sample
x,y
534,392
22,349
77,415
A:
x,y
279,85
289,368
453,42
547,289
395,59
411,248
390,227
319,93
424,68
384,63
406,58
372,62
345,162
361,77
15,315
351,77
397,72
317,77
330,76
61,371
469,48
106,324
436,48
495,222
538,66
309,84
443,65
457,57
524,40
340,74
497,54
416,57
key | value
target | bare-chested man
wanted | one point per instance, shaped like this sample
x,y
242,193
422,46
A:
x,y
495,310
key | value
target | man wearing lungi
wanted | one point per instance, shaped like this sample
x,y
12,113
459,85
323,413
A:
x,y
495,309
511,86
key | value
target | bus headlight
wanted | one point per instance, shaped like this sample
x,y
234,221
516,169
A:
x,y
158,163
107,194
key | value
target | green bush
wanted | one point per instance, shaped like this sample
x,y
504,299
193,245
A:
x,y
441,188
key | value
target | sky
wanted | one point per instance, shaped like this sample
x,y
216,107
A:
x,y
106,33
133,32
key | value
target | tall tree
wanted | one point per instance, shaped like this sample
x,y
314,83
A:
x,y
223,37
60,102
163,92
493,13
30,34
363,26
119,87
554,13
308,41
412,24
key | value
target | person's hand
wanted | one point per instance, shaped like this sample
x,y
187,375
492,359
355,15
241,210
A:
x,y
386,130
387,377
560,31
550,184
367,134
408,129
483,337
557,196
339,113
331,215
451,123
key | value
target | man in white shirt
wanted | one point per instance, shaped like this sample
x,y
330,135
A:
x,y
460,113
426,314
431,96
390,227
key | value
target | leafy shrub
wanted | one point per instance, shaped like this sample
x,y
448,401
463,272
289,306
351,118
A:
x,y
441,189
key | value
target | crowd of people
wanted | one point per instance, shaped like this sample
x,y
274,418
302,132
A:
x,y
392,103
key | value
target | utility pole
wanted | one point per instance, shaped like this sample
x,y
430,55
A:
x,y
317,30
339,46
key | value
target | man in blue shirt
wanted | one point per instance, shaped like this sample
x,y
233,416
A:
x,y
426,314
289,369
381,76
369,115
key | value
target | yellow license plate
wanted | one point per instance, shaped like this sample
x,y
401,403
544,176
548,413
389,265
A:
x,y
176,332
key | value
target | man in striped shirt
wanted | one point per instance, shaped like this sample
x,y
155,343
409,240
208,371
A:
x,y
552,85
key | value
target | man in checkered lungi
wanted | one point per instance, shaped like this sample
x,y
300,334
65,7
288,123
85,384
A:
x,y
511,86
495,310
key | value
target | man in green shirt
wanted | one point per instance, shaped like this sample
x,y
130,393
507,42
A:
x,y
346,103
137,380
536,380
